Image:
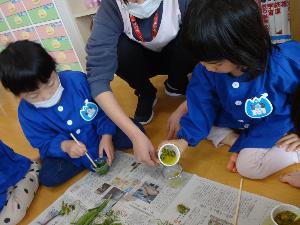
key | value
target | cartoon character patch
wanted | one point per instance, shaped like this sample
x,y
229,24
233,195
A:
x,y
89,111
258,107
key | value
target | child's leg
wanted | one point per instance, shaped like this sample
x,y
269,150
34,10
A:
x,y
120,139
222,136
259,163
20,197
56,171
292,178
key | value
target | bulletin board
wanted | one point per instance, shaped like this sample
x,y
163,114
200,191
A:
x,y
39,21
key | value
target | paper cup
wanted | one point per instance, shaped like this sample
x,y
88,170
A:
x,y
174,148
281,208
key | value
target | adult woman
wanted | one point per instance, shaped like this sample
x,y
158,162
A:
x,y
137,39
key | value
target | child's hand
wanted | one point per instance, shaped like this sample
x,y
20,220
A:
x,y
180,143
231,165
173,125
73,149
291,142
107,146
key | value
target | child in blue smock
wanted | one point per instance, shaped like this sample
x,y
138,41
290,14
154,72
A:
x,y
18,185
291,142
240,93
53,106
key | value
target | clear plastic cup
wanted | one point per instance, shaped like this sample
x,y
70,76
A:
x,y
173,175
102,166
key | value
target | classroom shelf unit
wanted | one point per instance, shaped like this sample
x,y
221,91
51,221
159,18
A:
x,y
62,27
77,19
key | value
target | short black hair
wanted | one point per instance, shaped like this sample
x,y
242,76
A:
x,y
227,29
24,65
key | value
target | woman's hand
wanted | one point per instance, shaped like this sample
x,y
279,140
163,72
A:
x,y
142,146
144,150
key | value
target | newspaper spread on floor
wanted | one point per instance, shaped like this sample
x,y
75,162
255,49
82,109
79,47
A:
x,y
139,195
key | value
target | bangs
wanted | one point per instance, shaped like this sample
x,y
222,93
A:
x,y
207,50
23,81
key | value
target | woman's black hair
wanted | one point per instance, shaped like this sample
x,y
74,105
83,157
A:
x,y
24,65
125,1
228,29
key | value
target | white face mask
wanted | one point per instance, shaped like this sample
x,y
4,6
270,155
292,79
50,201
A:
x,y
144,10
51,101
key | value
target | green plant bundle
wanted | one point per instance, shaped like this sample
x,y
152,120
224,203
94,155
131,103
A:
x,y
89,217
110,219
65,209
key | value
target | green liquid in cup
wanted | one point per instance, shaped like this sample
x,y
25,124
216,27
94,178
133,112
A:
x,y
168,155
286,218
102,167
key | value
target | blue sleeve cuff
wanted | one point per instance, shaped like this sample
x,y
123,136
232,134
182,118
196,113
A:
x,y
184,135
54,149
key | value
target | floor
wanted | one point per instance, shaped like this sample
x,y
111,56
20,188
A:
x,y
203,160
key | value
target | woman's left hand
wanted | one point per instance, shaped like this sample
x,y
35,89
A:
x,y
107,146
290,142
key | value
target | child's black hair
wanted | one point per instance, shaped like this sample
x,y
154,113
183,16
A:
x,y
228,29
24,65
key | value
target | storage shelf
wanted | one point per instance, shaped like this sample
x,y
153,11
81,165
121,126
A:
x,y
86,12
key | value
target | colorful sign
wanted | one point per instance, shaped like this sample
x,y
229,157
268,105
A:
x,y
39,21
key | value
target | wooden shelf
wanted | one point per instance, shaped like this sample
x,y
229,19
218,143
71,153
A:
x,y
77,19
86,12
84,25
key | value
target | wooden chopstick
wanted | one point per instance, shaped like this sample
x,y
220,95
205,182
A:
x,y
86,153
238,203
